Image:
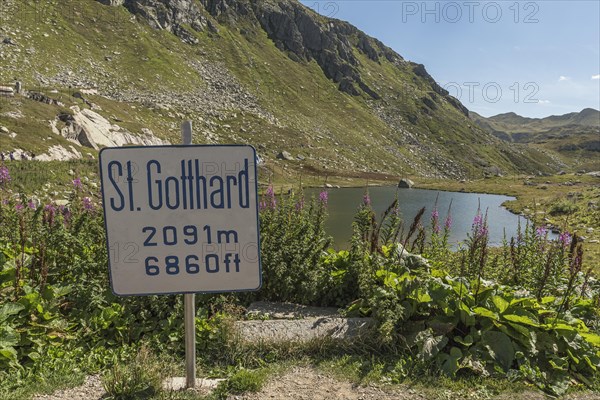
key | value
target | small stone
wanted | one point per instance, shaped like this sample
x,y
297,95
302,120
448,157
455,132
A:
x,y
284,155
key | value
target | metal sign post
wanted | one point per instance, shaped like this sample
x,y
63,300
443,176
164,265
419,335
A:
x,y
181,219
189,300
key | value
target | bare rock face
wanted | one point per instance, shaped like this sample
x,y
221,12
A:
x,y
89,129
292,27
296,29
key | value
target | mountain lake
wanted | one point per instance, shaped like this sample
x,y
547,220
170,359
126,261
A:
x,y
344,202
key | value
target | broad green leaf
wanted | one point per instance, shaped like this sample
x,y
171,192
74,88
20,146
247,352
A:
x,y
559,363
572,356
548,299
61,291
500,303
450,362
484,312
442,325
423,297
560,326
8,353
590,362
500,347
591,338
524,302
9,337
520,319
10,309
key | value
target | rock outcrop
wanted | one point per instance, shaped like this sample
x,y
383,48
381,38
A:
x,y
89,129
59,153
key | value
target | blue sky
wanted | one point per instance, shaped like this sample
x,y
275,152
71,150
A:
x,y
536,58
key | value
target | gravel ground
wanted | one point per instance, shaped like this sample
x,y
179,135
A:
x,y
91,390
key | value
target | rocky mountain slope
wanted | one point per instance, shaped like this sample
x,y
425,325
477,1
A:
x,y
575,136
271,73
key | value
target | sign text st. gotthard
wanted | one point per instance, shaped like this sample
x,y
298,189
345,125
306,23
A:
x,y
181,219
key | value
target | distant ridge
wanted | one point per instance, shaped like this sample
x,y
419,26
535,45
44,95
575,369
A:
x,y
576,135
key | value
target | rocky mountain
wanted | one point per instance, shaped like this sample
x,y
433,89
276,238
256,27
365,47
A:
x,y
271,73
573,135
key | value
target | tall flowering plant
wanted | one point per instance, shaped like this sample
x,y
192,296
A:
x,y
4,175
293,242
438,249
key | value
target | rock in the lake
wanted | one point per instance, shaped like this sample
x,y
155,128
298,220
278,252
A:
x,y
405,183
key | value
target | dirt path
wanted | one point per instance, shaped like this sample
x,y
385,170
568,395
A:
x,y
306,383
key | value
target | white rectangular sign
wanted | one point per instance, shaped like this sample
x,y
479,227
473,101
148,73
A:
x,y
181,219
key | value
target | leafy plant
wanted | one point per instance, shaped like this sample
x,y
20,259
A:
x,y
293,240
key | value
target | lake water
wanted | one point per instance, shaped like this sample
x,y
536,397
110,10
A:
x,y
344,202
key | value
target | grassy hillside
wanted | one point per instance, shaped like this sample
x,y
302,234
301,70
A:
x,y
238,85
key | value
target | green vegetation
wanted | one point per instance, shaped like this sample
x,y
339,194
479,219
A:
x,y
527,312
538,196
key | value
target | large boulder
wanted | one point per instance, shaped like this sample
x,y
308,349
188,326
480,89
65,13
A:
x,y
90,129
405,183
